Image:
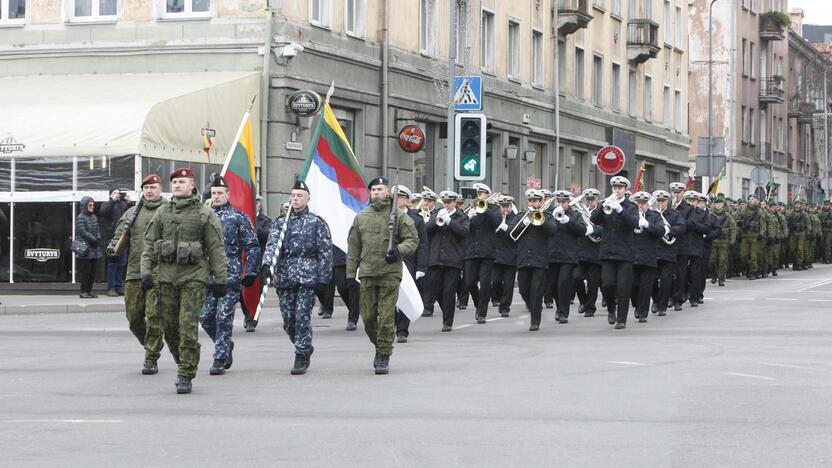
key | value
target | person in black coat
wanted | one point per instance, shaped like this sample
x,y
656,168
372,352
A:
x,y
479,251
447,230
87,230
698,229
417,263
710,230
667,254
588,272
684,209
532,254
645,261
109,213
505,257
563,253
616,251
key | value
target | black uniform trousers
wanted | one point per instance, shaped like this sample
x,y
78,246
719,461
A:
x,y
562,284
462,290
402,322
502,282
549,293
532,284
616,283
644,278
587,292
698,272
663,288
348,290
479,270
681,282
445,285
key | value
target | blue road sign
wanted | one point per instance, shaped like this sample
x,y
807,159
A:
x,y
468,93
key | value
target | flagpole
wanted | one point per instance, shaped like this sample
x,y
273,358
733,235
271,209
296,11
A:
x,y
237,137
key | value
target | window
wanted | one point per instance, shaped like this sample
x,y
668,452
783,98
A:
x,y
616,87
461,34
12,11
93,10
318,12
537,58
616,7
632,94
744,58
680,28
746,187
427,26
677,110
599,3
751,126
354,17
579,73
487,42
751,59
668,31
780,134
744,123
561,64
186,9
648,98
598,80
667,106
513,51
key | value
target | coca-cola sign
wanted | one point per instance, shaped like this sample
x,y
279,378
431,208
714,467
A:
x,y
412,139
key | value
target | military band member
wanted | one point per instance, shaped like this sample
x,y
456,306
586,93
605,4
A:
x,y
667,252
616,252
417,262
549,295
447,230
425,285
505,257
698,229
563,253
303,263
714,231
379,268
645,253
588,272
683,248
532,256
183,246
217,315
462,294
479,252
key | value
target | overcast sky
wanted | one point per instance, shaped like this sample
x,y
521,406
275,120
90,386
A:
x,y
815,11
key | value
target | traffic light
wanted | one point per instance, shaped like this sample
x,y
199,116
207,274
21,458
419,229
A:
x,y
469,147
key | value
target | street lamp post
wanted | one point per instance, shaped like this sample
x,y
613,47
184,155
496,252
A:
x,y
710,93
825,132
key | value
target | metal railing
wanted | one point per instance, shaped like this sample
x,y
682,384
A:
x,y
643,31
772,89
580,6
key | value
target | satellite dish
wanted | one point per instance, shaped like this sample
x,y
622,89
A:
x,y
759,175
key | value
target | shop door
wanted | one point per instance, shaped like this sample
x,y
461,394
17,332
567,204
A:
x,y
42,233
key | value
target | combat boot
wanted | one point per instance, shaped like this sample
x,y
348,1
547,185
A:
x,y
401,338
446,328
301,364
376,359
383,364
150,367
183,384
620,325
722,282
351,326
427,313
230,359
217,368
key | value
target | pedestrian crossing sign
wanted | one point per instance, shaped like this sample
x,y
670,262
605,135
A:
x,y
468,93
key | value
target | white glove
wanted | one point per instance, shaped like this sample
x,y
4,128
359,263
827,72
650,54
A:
x,y
526,221
503,226
617,207
447,218
420,274
642,222
589,230
666,230
564,219
472,213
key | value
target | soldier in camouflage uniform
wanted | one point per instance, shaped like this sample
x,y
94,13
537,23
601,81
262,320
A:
x,y
721,245
814,235
142,306
303,263
217,316
826,228
799,228
184,241
766,260
378,269
782,238
752,232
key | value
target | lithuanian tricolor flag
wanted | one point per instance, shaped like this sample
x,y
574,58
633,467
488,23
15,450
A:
x,y
240,175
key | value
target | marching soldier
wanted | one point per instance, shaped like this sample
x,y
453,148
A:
x,y
721,245
563,253
712,231
304,262
667,252
589,265
683,248
619,217
650,229
549,296
447,230
752,232
826,229
505,257
378,267
142,306
217,315
417,262
183,246
816,231
698,228
799,228
479,251
461,288
532,253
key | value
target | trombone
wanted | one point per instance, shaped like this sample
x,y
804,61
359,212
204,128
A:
x,y
481,206
536,217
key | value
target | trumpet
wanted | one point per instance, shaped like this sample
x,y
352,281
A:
x,y
559,213
577,203
440,217
536,217
639,229
608,202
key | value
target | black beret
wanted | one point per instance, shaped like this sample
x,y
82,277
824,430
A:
x,y
301,185
377,181
219,181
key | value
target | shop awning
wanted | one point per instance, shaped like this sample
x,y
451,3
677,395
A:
x,y
158,115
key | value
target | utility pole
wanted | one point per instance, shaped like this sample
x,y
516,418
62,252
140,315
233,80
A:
x,y
449,163
710,94
825,132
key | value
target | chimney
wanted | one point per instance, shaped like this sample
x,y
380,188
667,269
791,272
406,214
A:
x,y
796,15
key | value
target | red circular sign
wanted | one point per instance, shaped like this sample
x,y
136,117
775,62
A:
x,y
412,138
610,160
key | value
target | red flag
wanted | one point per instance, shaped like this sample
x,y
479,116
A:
x,y
639,185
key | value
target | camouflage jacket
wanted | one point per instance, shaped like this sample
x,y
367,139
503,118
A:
x,y
305,257
729,227
369,237
137,229
826,220
799,223
752,225
239,238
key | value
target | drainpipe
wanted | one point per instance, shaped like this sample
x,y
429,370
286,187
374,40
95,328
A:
x,y
385,90
557,108
264,110
732,100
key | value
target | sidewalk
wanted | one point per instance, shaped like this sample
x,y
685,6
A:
x,y
52,304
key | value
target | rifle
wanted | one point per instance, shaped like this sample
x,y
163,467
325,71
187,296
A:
x,y
125,233
391,221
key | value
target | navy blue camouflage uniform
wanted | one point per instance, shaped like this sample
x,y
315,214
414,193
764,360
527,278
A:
x,y
217,315
305,261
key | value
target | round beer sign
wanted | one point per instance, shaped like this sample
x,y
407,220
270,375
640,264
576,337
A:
x,y
305,103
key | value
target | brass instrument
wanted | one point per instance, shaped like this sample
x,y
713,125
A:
x,y
558,213
607,203
440,220
536,217
667,239
481,206
639,229
423,210
578,205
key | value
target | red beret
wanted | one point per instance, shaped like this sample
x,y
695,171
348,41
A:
x,y
182,172
151,179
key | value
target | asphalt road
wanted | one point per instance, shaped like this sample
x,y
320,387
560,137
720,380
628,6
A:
x,y
743,380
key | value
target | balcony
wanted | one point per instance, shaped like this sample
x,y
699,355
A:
x,y
771,90
806,111
573,15
642,40
773,26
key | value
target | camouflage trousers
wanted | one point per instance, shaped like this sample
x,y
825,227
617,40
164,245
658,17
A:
x,y
180,321
827,245
296,308
749,253
143,317
217,319
378,310
797,245
719,260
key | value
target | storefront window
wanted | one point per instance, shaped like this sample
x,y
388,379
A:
x,y
5,176
156,166
105,172
41,242
43,174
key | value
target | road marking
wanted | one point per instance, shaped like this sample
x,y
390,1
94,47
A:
x,y
462,326
629,363
752,376
791,366
819,300
780,299
70,421
814,285
493,319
